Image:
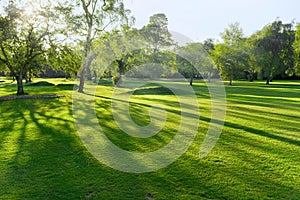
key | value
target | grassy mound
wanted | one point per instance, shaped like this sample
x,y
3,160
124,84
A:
x,y
65,86
41,83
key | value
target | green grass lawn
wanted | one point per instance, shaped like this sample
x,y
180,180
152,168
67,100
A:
x,y
256,157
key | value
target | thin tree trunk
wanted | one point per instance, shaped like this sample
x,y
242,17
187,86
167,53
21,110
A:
x,y
26,79
191,80
20,90
251,78
268,80
81,82
119,82
86,61
121,66
209,77
95,76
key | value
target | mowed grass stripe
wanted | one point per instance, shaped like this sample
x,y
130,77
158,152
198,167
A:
x,y
256,157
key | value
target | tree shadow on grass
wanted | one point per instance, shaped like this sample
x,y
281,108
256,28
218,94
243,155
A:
x,y
264,91
46,160
66,86
139,112
281,124
40,83
257,132
279,106
282,86
50,162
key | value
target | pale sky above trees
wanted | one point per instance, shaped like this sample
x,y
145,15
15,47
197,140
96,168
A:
x,y
201,19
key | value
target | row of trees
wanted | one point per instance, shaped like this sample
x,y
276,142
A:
x,y
93,38
272,52
57,34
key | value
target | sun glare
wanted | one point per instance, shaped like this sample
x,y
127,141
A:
x,y
32,7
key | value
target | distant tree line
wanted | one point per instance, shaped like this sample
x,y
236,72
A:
x,y
271,53
77,38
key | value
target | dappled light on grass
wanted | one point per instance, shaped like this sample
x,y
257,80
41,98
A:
x,y
95,138
256,157
139,108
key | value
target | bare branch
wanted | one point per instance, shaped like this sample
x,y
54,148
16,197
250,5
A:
x,y
103,29
94,7
88,3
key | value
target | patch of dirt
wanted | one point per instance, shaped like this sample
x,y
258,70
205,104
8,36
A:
x,y
42,96
89,193
149,196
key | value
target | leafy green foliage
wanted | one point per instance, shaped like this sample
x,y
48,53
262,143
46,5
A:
x,y
296,47
230,56
24,41
88,19
273,49
194,59
65,58
157,36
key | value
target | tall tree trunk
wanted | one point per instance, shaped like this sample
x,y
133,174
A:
x,y
20,90
86,60
209,77
230,81
121,66
120,81
26,79
95,77
155,55
251,76
268,80
191,80
88,73
81,81
29,77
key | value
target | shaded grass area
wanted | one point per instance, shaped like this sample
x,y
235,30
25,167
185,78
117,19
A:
x,y
37,87
257,156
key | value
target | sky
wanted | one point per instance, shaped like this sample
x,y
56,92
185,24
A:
x,y
202,19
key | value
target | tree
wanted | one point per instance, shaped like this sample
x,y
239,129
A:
x,y
230,56
157,39
274,51
209,45
65,58
199,61
116,53
253,68
24,38
211,70
156,34
88,19
186,68
296,47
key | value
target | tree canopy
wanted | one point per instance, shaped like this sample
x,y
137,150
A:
x,y
24,40
79,37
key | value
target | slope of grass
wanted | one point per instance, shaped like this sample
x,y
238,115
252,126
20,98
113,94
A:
x,y
256,157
